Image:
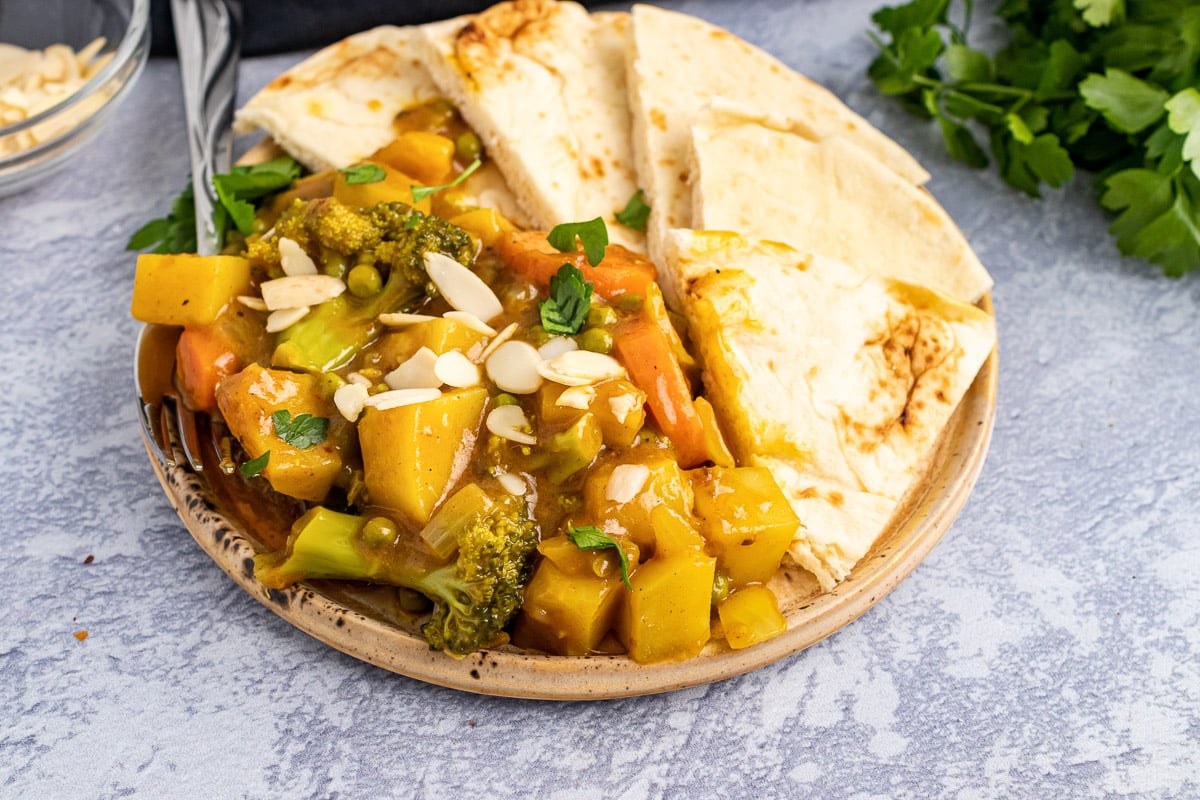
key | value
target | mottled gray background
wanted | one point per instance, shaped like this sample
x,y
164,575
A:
x,y
1049,647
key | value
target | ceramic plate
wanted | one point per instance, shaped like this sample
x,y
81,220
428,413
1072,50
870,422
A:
x,y
368,623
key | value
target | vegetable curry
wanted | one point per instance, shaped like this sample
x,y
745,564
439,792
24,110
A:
x,y
508,425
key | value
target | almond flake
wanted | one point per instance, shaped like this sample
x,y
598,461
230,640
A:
x,y
555,346
502,337
626,482
461,288
401,397
513,484
577,397
359,378
622,405
293,259
285,318
455,369
471,321
294,291
416,373
350,400
401,320
514,368
510,422
581,368
251,302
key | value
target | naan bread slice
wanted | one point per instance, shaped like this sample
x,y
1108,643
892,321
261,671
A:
x,y
543,84
677,63
837,381
828,196
336,107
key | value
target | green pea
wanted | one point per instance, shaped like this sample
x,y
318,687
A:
x,y
598,340
379,531
506,399
260,225
467,147
722,587
364,281
601,316
630,302
335,264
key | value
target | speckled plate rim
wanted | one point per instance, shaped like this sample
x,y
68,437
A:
x,y
927,513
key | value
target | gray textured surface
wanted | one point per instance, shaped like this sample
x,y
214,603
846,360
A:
x,y
1049,647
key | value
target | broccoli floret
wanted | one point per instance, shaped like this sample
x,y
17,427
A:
x,y
395,238
476,595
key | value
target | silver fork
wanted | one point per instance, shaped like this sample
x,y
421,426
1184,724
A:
x,y
207,37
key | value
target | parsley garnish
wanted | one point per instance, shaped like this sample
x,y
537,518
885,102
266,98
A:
x,y
419,193
237,193
566,310
303,432
363,173
593,235
635,213
590,537
252,468
1102,85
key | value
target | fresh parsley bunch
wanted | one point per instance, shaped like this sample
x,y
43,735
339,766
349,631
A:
x,y
1103,85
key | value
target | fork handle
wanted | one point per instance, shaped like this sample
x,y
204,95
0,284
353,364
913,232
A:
x,y
208,36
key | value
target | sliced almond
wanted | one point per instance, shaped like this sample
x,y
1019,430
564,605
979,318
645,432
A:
x,y
350,400
294,291
416,373
359,378
471,321
510,422
294,260
513,484
581,368
462,289
577,397
555,346
251,302
402,320
514,368
622,405
285,318
626,482
455,369
401,397
501,337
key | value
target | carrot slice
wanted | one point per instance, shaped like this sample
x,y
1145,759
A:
x,y
646,352
203,358
621,272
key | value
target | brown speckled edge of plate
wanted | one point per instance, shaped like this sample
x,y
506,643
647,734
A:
x,y
337,619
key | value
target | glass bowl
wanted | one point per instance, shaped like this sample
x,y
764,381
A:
x,y
33,147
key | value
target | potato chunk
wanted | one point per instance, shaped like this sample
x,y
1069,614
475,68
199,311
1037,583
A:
x,y
395,187
666,616
750,615
746,520
414,455
248,399
186,289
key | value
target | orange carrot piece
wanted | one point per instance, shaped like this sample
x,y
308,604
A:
x,y
621,272
645,351
203,358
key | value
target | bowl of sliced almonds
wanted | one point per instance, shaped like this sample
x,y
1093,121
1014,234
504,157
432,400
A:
x,y
65,65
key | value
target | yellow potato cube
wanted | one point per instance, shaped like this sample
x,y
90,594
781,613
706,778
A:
x,y
249,398
414,455
428,157
395,187
750,615
183,289
487,225
666,616
746,520
665,486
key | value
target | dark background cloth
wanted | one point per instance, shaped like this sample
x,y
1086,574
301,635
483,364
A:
x,y
276,26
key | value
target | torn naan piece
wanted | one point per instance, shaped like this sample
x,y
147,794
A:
x,y
753,175
336,108
543,84
677,63
838,382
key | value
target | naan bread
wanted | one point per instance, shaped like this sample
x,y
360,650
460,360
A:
x,y
752,175
543,84
336,107
838,382
677,63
